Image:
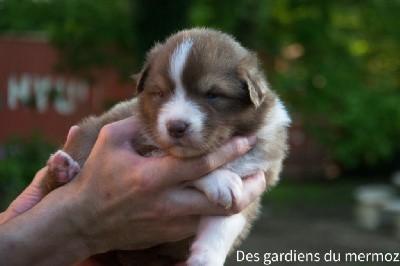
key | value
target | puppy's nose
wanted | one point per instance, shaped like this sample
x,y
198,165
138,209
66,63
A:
x,y
177,128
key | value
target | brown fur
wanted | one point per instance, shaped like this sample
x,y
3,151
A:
x,y
218,64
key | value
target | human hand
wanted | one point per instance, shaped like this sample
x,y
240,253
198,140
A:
x,y
121,200
26,200
33,193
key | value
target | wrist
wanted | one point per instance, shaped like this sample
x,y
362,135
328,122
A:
x,y
76,215
42,236
66,244
80,213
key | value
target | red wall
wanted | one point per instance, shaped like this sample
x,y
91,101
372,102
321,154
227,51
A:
x,y
35,97
28,76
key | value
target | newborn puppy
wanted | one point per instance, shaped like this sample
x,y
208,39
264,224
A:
x,y
197,90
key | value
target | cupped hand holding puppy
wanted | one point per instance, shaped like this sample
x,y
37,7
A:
x,y
119,200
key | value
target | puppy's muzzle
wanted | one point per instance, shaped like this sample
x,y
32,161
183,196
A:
x,y
177,128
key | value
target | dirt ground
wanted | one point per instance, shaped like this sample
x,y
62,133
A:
x,y
314,240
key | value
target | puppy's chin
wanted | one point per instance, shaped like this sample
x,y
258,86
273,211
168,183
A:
x,y
184,152
187,147
193,145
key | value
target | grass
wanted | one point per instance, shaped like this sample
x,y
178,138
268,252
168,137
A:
x,y
331,198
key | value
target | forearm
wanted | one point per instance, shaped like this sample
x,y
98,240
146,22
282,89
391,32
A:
x,y
43,235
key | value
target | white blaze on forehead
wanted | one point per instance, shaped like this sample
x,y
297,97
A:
x,y
179,107
177,63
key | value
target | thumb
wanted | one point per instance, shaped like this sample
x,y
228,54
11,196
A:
x,y
27,199
71,135
34,192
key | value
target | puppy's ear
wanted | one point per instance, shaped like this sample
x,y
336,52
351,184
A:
x,y
140,79
250,73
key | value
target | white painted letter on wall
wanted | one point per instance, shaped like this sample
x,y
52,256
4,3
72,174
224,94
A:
x,y
68,94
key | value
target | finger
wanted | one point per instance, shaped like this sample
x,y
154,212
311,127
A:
x,y
27,199
71,137
71,134
173,230
193,202
119,132
253,186
181,228
187,201
184,170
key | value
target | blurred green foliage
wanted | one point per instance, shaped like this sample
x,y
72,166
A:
x,y
20,159
313,199
335,63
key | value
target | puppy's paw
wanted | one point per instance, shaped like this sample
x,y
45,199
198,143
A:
x,y
221,187
62,166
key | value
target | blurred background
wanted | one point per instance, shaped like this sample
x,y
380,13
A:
x,y
336,65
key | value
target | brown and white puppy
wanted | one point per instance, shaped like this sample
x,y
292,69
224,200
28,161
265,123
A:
x,y
197,90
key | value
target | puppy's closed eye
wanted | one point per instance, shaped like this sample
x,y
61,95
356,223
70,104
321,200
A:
x,y
157,92
212,95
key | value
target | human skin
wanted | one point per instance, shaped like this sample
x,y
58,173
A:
x,y
119,200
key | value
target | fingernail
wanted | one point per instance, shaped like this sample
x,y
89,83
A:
x,y
73,128
252,140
